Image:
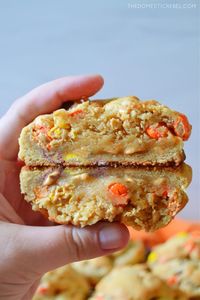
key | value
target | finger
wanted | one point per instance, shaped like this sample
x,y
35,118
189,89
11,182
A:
x,y
44,99
35,250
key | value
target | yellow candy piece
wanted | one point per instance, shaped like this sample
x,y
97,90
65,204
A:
x,y
55,132
60,119
70,156
52,196
153,256
182,234
59,122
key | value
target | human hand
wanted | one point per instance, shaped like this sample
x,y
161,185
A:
x,y
31,245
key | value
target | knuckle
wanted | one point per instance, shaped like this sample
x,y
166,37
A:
x,y
76,243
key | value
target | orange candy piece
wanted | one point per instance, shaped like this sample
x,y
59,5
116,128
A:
x,y
157,131
48,147
42,290
190,246
76,112
172,280
119,193
118,189
182,127
42,128
165,193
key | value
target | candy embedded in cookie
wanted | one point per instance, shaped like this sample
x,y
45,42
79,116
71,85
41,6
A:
x,y
121,131
180,274
119,159
182,245
143,198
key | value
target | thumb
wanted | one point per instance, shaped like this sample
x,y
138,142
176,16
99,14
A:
x,y
39,249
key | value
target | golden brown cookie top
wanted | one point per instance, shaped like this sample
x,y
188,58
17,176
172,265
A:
x,y
133,253
94,269
182,245
62,283
114,114
130,282
119,111
180,274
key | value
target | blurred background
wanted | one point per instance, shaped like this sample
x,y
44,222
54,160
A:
x,y
144,48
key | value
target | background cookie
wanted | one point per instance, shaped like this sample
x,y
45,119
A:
x,y
134,253
182,245
94,269
132,283
180,274
62,284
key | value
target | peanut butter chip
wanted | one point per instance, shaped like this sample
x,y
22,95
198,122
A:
x,y
83,176
160,181
51,178
129,150
129,179
115,123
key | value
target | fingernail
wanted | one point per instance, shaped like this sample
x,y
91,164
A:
x,y
113,236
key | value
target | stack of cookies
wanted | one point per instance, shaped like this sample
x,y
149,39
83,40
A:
x,y
117,160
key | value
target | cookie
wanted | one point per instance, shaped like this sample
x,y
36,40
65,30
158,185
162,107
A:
x,y
62,284
182,245
133,253
94,269
180,274
97,268
120,131
133,283
140,197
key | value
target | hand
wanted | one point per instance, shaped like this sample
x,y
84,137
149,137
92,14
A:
x,y
31,245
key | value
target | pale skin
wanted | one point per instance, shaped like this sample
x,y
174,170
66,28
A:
x,y
29,244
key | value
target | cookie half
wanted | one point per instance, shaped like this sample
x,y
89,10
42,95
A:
x,y
143,198
121,131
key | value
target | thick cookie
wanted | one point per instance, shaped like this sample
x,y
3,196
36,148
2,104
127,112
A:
x,y
62,284
94,269
134,253
180,274
121,131
182,245
133,283
143,198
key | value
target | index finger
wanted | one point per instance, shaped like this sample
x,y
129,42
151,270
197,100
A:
x,y
43,99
